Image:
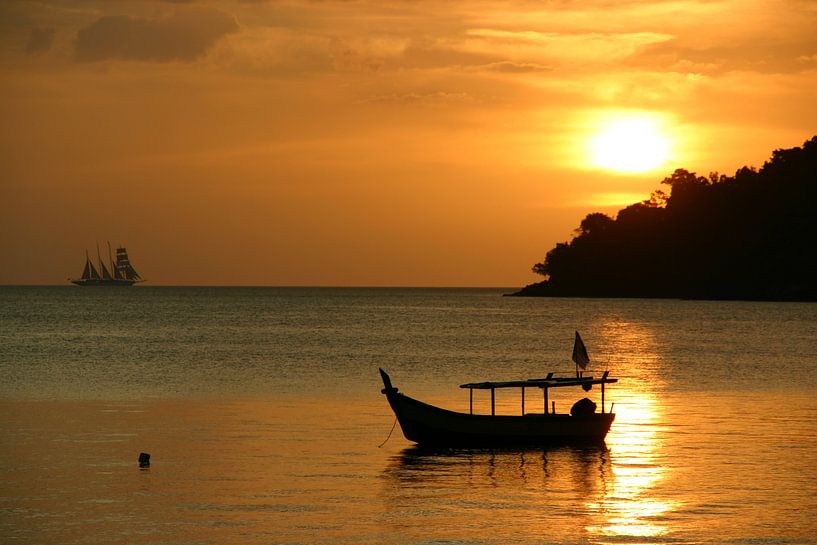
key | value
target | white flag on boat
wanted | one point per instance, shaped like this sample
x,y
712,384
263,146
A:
x,y
580,352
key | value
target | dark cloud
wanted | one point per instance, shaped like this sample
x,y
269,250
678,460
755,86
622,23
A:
x,y
428,55
40,40
184,36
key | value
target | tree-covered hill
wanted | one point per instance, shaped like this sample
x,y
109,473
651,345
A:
x,y
749,236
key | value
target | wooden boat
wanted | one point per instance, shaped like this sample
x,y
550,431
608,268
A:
x,y
428,425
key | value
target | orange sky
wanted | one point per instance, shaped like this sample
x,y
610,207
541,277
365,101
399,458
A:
x,y
402,143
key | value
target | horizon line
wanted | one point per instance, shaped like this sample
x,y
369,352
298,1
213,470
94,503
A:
x,y
296,286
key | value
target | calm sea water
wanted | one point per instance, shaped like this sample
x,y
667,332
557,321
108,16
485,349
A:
x,y
262,411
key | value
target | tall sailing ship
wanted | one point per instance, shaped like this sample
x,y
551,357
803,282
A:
x,y
121,272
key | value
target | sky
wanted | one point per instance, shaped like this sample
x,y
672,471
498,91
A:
x,y
359,143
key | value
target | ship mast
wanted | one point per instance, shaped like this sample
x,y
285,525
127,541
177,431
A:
x,y
116,274
105,274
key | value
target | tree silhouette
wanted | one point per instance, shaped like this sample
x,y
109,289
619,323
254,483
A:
x,y
749,236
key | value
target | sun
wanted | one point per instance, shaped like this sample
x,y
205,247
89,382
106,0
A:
x,y
629,143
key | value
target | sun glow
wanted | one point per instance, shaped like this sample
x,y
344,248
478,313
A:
x,y
629,143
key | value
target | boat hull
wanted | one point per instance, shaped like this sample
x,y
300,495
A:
x,y
102,282
428,425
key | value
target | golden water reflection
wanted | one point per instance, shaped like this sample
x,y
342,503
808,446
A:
x,y
630,508
606,492
464,491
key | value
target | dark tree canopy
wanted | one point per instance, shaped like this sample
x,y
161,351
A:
x,y
749,236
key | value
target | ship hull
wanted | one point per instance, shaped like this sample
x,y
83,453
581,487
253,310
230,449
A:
x,y
428,425
101,282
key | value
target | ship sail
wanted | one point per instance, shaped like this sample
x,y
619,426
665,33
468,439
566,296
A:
x,y
105,274
86,272
89,272
112,264
123,266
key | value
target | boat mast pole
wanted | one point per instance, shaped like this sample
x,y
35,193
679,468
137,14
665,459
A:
x,y
546,399
523,401
110,260
492,403
602,397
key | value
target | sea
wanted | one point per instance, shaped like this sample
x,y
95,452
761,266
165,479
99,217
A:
x,y
262,412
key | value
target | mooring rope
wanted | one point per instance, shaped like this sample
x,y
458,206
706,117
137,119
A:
x,y
392,429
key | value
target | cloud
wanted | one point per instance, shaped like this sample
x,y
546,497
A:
x,y
768,56
40,40
432,99
553,48
510,67
278,52
183,36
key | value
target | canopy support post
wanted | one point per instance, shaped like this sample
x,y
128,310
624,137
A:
x,y
523,401
492,403
471,400
546,398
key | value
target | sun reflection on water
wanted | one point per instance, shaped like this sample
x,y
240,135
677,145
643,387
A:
x,y
631,509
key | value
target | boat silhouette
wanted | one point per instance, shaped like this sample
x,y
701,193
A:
x,y
121,272
428,425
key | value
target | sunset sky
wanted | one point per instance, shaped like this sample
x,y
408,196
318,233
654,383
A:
x,y
400,143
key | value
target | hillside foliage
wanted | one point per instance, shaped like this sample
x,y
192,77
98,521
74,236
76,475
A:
x,y
748,236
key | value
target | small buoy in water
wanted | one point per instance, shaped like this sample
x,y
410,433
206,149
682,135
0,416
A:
x,y
144,459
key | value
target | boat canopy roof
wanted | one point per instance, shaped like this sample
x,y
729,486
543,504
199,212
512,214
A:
x,y
548,382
